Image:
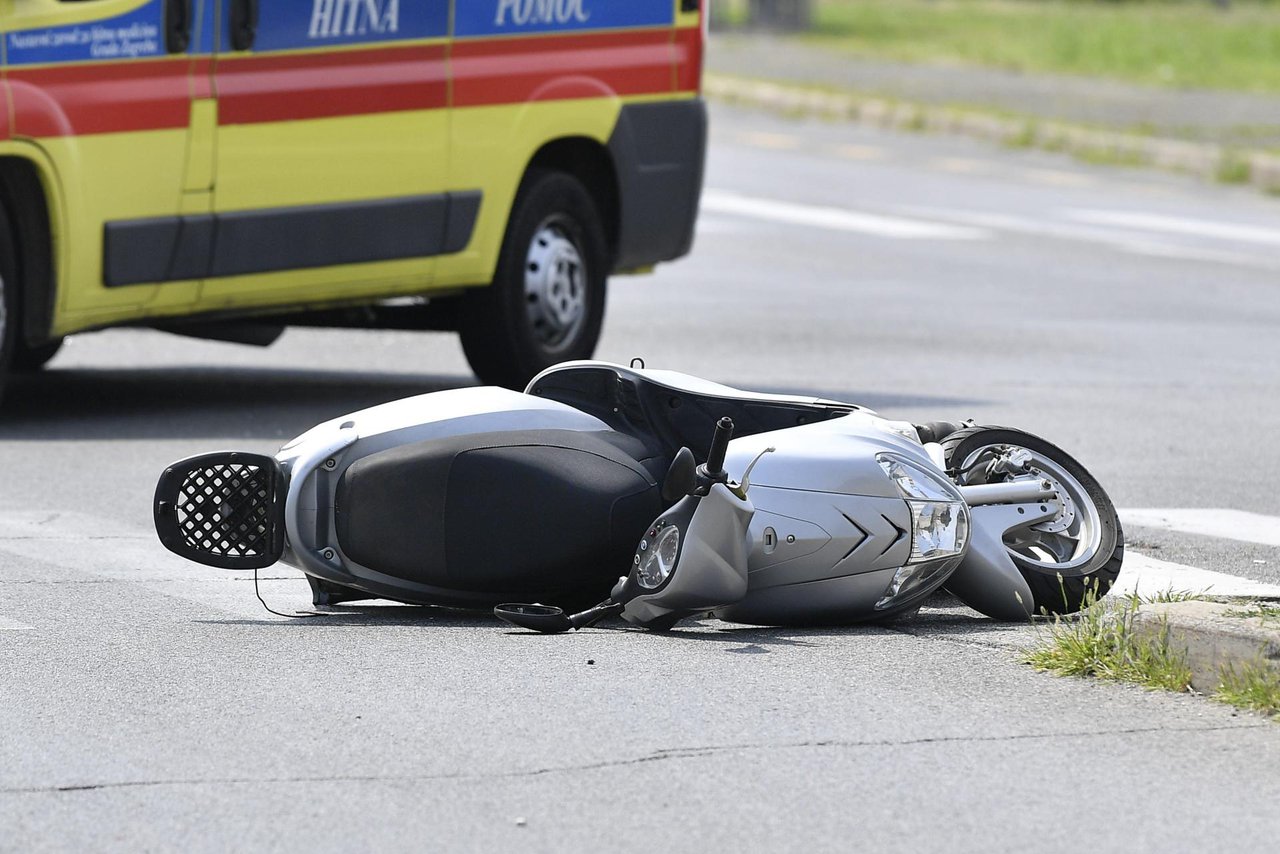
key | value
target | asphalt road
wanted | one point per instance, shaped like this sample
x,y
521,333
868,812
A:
x,y
1132,318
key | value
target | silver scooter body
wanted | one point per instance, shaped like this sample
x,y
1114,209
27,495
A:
x,y
830,530
829,537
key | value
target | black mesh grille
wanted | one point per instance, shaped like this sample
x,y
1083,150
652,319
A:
x,y
226,509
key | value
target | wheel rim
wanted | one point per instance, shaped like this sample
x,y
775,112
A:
x,y
1071,539
555,287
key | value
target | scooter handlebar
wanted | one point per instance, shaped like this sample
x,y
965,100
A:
x,y
719,447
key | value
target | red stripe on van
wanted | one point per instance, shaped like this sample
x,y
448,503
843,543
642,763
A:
x,y
516,70
688,45
100,97
118,97
259,89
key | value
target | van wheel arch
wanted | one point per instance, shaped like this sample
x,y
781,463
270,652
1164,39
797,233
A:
x,y
22,196
592,165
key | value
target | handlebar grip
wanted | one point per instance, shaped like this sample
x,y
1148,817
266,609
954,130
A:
x,y
719,446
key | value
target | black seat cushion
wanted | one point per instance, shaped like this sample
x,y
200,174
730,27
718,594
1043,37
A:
x,y
521,513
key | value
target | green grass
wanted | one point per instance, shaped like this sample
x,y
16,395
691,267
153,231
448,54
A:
x,y
1267,612
1177,44
1100,641
1255,688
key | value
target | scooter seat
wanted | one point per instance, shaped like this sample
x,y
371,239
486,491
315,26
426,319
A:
x,y
529,513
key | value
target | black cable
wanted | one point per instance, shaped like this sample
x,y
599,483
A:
x,y
299,615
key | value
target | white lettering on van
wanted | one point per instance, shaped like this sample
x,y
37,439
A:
x,y
333,18
525,12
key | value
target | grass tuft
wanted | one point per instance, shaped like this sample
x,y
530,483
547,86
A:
x,y
1100,642
1252,687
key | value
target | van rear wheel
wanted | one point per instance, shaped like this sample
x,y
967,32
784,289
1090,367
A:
x,y
546,302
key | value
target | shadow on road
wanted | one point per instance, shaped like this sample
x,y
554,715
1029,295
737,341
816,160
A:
x,y
948,620
181,403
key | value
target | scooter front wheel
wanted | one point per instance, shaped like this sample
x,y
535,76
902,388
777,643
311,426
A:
x,y
1068,560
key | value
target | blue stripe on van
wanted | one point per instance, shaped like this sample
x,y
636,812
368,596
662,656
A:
x,y
513,17
137,35
296,24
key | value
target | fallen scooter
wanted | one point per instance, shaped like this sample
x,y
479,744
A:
x,y
481,497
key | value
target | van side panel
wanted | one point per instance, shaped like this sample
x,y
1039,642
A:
x,y
528,72
93,89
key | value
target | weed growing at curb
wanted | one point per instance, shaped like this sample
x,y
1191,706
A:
x,y
1252,687
1172,595
1100,641
1261,610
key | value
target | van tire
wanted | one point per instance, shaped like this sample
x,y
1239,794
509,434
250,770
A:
x,y
546,302
9,325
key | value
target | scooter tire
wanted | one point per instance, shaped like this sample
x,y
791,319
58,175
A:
x,y
1055,590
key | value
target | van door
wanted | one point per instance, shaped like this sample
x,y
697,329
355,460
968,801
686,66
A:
x,y
105,88
332,149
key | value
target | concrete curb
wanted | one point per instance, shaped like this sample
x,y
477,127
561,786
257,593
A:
x,y
1210,161
1215,636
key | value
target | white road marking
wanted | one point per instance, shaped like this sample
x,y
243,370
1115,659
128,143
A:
x,y
1239,232
7,625
109,549
836,219
1211,522
718,225
1149,577
1123,241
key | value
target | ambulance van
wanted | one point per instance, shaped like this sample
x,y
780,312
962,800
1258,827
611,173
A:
x,y
223,168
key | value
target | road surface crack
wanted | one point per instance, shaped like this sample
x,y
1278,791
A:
x,y
658,756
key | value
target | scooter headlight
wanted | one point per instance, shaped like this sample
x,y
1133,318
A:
x,y
939,525
914,482
938,528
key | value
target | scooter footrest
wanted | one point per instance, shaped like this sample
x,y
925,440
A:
x,y
224,509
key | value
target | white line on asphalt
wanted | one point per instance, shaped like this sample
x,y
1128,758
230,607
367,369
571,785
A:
x,y
1125,242
1147,576
7,625
98,547
837,219
718,225
1211,522
1239,232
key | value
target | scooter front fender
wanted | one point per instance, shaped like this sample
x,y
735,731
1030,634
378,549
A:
x,y
987,580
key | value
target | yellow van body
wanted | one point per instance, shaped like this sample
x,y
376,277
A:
x,y
164,161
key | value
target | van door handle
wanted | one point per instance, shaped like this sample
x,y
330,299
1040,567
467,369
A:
x,y
244,23
177,26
